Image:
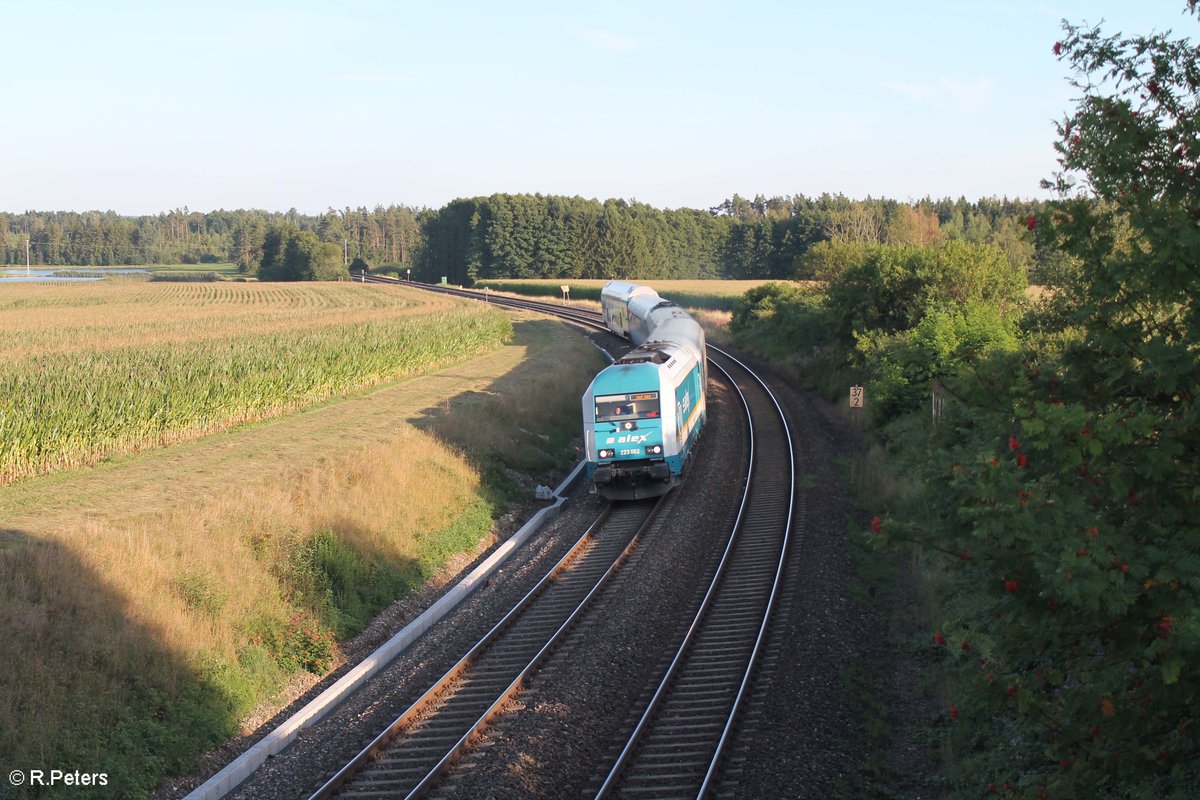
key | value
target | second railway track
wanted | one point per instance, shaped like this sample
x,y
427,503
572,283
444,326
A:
x,y
675,750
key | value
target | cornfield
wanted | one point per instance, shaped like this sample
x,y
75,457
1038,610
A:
x,y
89,371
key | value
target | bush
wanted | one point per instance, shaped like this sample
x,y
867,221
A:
x,y
1063,490
781,320
307,645
829,260
891,288
339,586
905,366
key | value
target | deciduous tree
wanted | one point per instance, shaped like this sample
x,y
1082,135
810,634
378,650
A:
x,y
1064,491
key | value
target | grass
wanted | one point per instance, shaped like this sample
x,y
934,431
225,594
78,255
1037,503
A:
x,y
153,600
174,624
201,358
226,269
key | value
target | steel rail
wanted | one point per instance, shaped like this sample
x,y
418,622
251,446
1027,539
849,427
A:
x,y
515,686
424,706
718,590
660,692
748,675
421,703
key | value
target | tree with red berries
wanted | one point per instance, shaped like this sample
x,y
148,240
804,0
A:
x,y
1065,489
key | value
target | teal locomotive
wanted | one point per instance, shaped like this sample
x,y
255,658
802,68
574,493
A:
x,y
643,413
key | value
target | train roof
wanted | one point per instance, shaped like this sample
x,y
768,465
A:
x,y
619,378
624,291
679,331
660,352
645,355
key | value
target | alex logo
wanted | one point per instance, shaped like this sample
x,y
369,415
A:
x,y
631,438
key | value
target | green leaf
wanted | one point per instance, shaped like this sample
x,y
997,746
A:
x,y
1171,669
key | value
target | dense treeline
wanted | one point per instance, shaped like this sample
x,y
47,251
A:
x,y
536,236
96,238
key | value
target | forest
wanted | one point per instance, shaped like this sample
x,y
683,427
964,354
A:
x,y
533,236
106,238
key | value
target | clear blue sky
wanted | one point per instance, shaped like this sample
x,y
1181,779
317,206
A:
x,y
142,107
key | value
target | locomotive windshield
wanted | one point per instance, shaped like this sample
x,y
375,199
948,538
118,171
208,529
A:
x,y
618,407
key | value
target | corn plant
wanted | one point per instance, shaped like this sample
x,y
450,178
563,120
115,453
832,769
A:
x,y
161,366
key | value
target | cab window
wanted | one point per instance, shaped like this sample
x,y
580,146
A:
x,y
615,408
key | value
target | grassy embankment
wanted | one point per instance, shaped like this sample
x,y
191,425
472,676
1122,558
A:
x,y
153,599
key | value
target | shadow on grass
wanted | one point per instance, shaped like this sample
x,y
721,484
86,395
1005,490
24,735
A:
x,y
85,686
345,576
526,424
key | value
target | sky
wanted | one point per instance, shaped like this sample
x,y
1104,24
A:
x,y
142,107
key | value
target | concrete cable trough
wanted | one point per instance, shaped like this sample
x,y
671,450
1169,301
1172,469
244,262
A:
x,y
241,768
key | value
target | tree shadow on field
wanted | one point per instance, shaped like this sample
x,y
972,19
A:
x,y
527,422
84,686
526,425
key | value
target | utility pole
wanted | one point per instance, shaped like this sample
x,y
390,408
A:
x,y
346,253
27,256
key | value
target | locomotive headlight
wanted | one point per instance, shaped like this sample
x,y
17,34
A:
x,y
654,450
605,454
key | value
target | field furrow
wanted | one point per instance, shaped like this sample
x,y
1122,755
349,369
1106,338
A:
x,y
87,372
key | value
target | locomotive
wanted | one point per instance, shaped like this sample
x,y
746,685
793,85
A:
x,y
643,413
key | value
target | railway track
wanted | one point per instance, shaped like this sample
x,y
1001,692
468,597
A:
x,y
415,749
676,746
